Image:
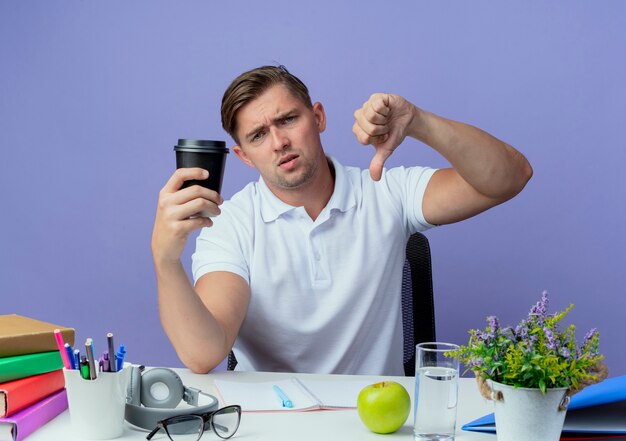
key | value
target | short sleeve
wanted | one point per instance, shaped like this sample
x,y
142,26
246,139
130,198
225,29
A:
x,y
221,247
408,186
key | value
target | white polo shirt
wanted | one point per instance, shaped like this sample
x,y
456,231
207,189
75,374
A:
x,y
325,294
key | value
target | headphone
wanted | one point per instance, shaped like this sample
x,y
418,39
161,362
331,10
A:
x,y
160,390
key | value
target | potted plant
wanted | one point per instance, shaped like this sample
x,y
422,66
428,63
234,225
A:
x,y
530,371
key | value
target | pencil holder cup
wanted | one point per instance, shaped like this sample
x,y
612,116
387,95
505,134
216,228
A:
x,y
97,406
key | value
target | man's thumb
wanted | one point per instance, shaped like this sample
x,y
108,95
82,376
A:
x,y
377,163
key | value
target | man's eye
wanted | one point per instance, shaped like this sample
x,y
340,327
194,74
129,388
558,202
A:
x,y
257,136
289,119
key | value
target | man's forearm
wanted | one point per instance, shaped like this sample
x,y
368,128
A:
x,y
197,337
490,166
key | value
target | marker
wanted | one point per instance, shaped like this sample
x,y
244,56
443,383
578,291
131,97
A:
x,y
61,345
90,359
76,359
111,352
286,402
105,363
84,368
121,353
70,355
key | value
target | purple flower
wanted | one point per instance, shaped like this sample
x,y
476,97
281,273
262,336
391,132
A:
x,y
530,346
551,344
541,307
494,324
475,362
592,332
481,336
565,352
508,332
590,336
521,331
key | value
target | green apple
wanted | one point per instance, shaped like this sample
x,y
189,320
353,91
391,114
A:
x,y
384,407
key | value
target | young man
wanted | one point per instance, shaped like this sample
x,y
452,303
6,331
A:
x,y
301,271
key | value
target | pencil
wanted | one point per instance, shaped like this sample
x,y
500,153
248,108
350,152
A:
x,y
61,344
112,362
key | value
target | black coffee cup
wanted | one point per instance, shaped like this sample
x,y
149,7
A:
x,y
209,155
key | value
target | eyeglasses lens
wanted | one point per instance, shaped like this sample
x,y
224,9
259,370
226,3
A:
x,y
187,428
226,421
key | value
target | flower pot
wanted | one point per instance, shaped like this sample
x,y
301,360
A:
x,y
524,414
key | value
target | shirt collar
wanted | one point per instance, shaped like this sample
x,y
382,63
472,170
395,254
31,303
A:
x,y
342,199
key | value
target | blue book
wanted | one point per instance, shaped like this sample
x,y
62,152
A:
x,y
599,409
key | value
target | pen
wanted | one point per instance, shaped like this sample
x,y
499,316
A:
x,y
70,355
121,353
59,338
84,368
76,359
286,402
90,359
111,357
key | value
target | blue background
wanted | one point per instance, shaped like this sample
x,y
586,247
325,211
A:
x,y
93,96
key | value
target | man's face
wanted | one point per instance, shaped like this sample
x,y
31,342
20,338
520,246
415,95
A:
x,y
280,136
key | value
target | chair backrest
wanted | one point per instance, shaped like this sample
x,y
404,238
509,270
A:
x,y
418,308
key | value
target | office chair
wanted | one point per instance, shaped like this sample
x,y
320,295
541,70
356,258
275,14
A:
x,y
418,308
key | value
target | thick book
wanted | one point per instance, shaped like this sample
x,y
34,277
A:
x,y
22,366
597,410
304,394
18,394
19,426
22,335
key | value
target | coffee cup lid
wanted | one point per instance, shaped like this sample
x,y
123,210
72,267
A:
x,y
200,145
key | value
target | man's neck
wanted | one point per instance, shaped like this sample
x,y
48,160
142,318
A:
x,y
314,196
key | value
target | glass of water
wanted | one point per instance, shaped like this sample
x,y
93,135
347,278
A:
x,y
436,392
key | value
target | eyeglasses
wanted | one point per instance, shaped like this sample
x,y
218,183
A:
x,y
224,422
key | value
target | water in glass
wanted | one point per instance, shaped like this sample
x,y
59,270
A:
x,y
436,399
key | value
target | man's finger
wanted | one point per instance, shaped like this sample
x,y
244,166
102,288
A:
x,y
181,175
361,136
371,115
380,104
378,162
372,129
189,225
199,222
380,135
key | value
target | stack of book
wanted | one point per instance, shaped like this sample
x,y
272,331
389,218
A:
x,y
32,386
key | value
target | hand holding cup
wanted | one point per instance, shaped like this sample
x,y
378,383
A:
x,y
190,197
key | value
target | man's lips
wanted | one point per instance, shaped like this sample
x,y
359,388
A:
x,y
286,159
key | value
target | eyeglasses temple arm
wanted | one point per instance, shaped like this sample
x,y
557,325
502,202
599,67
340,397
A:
x,y
219,426
154,431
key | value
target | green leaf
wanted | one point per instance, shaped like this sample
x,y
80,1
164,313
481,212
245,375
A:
x,y
542,386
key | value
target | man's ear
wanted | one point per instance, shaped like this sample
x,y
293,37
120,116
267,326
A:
x,y
320,116
242,155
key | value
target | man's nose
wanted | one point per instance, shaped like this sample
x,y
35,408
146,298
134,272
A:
x,y
280,141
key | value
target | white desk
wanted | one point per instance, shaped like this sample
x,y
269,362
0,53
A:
x,y
343,425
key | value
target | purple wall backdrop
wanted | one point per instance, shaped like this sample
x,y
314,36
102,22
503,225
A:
x,y
93,96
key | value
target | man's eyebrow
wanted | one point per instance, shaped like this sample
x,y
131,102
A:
x,y
279,116
254,130
282,115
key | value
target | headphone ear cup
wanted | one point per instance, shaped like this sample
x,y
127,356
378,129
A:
x,y
162,388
